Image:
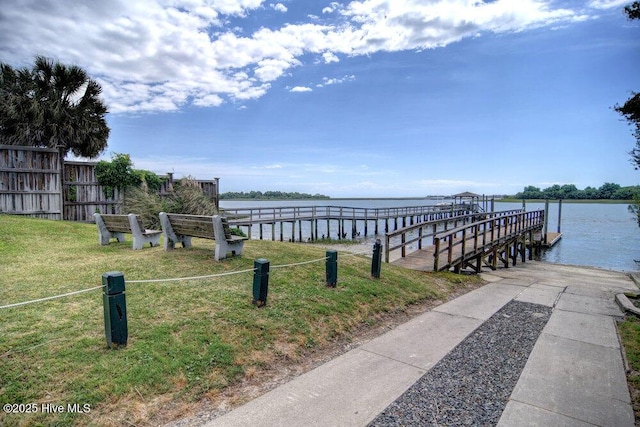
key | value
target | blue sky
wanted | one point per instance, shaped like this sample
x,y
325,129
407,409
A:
x,y
366,98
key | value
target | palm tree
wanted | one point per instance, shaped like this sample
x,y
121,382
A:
x,y
52,105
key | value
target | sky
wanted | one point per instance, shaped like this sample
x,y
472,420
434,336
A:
x,y
368,98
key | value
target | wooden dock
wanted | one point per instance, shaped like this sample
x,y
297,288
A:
x,y
552,239
500,239
425,238
311,223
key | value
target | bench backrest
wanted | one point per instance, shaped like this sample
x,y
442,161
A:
x,y
192,225
117,223
225,227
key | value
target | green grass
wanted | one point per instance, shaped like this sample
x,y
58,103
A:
x,y
188,339
629,331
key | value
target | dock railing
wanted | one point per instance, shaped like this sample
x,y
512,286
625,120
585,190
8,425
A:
x,y
256,215
418,236
390,218
501,236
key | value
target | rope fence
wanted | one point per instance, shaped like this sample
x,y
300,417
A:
x,y
299,263
19,304
176,279
114,298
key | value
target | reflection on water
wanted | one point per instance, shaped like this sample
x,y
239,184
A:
x,y
593,234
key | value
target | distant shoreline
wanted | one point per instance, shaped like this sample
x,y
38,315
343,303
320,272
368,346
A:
x,y
602,201
504,200
337,198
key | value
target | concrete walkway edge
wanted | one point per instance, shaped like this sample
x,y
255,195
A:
x,y
574,375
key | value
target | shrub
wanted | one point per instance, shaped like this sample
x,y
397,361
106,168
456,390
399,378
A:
x,y
146,204
119,173
185,198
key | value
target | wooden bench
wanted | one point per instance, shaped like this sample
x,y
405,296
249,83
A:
x,y
115,226
180,228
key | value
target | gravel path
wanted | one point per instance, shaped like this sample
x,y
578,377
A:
x,y
471,385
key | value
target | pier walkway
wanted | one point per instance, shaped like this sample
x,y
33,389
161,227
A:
x,y
498,237
311,223
427,238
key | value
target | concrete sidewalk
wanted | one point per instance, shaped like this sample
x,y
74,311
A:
x,y
574,375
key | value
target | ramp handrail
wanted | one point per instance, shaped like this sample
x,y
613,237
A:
x,y
418,233
480,237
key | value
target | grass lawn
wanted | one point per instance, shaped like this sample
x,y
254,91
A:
x,y
188,340
629,330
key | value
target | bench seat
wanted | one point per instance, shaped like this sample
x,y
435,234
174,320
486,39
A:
x,y
112,226
180,228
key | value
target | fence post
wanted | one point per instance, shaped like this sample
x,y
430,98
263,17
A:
x,y
376,260
260,281
62,179
115,309
332,268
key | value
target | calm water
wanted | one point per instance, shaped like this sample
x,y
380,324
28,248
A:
x,y
599,235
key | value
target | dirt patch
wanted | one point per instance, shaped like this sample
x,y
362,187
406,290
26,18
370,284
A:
x,y
286,368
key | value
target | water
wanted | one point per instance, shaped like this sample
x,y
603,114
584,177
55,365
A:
x,y
593,234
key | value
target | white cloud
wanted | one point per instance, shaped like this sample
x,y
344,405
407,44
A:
x,y
270,69
453,186
333,178
414,24
332,7
330,57
300,89
327,81
159,55
278,7
608,4
198,167
212,100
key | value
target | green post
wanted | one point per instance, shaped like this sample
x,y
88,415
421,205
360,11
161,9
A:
x,y
115,309
376,260
260,282
332,268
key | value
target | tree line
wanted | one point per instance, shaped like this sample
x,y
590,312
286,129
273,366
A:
x,y
272,195
607,191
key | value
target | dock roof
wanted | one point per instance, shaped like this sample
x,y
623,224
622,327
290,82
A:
x,y
466,194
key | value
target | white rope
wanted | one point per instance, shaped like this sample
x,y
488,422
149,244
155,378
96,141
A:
x,y
298,263
175,279
18,304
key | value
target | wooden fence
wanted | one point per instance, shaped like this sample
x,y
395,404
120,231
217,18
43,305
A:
x,y
30,181
83,196
33,182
